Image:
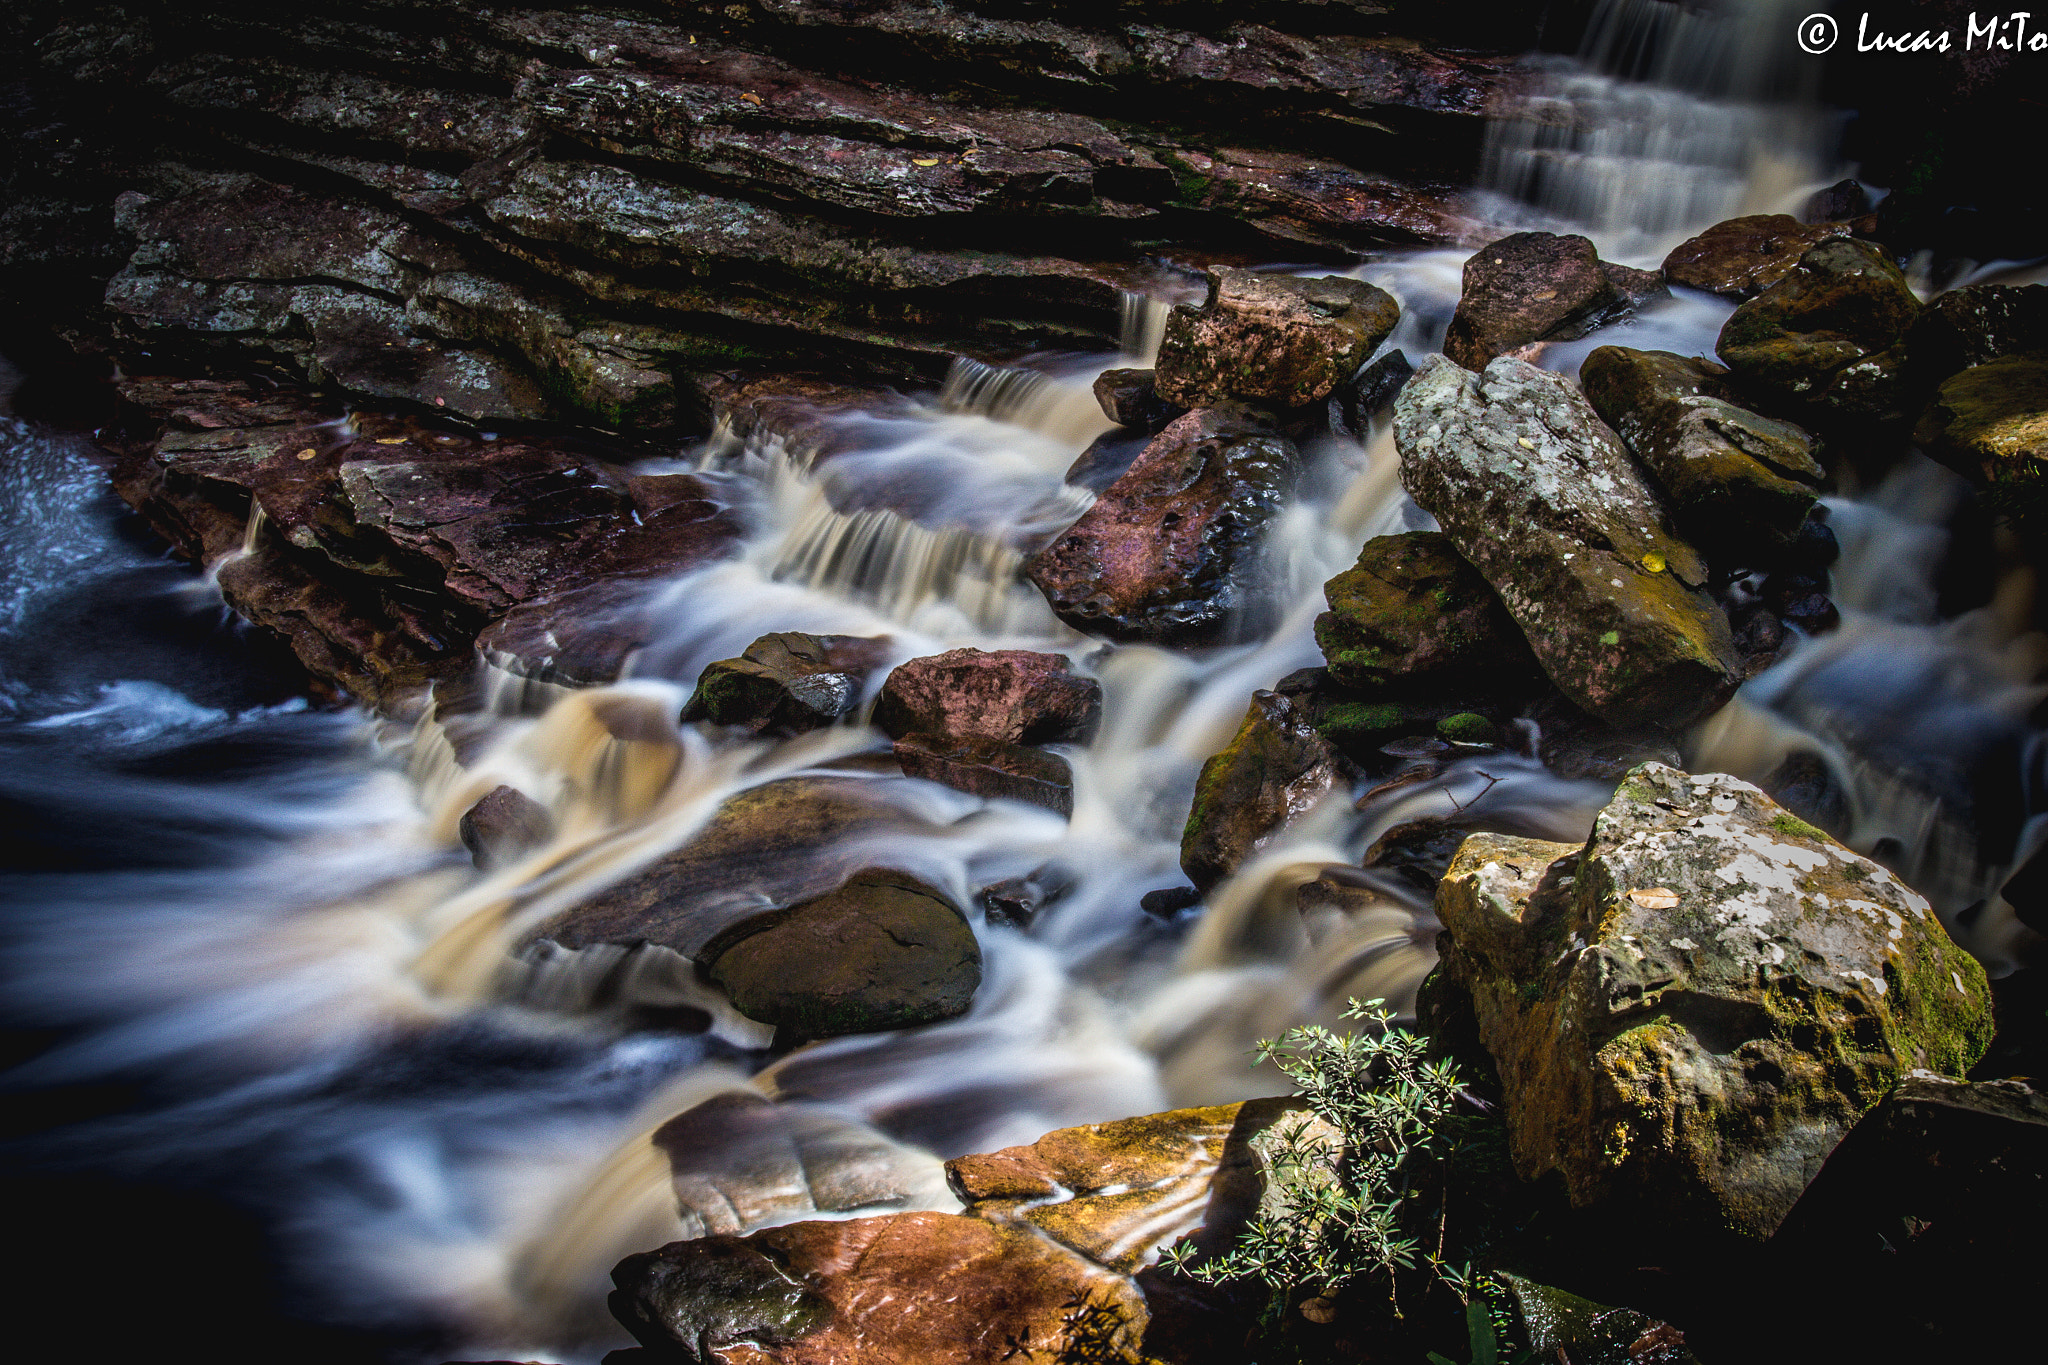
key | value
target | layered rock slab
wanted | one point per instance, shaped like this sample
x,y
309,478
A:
x,y
1540,496
1273,340
1692,1009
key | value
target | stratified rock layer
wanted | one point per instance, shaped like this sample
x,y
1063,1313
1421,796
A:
x,y
1689,1012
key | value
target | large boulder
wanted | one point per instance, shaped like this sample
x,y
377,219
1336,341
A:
x,y
1692,1009
1276,767
1826,336
1979,322
786,683
1274,340
1015,696
1412,616
1542,498
883,951
1736,482
1170,554
1991,422
1537,286
1744,256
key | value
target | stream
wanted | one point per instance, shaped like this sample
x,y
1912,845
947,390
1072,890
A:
x,y
270,1043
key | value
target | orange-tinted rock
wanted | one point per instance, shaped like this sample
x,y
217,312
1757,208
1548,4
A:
x,y
1743,257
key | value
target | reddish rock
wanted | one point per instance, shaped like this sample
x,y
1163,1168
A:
x,y
908,1289
1271,339
1743,257
1537,286
1015,696
1169,555
1131,398
989,767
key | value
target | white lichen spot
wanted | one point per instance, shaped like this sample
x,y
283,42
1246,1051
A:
x,y
1957,977
1687,944
1877,983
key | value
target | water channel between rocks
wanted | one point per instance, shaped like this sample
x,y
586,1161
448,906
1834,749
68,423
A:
x,y
257,959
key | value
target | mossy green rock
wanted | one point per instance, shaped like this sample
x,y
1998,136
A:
x,y
1844,303
1689,1012
1275,768
786,683
1991,422
1735,480
1543,499
1412,615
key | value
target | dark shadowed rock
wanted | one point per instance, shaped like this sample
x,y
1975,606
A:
x,y
1613,604
1742,257
1736,482
988,767
1538,286
1170,553
1825,334
1412,616
1839,202
1691,1011
1018,901
882,951
1273,340
786,683
1131,398
505,823
1275,769
1966,327
1356,400
1990,423
1012,695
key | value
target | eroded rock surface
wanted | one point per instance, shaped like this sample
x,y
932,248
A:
x,y
989,767
1016,696
1543,499
786,683
1691,1010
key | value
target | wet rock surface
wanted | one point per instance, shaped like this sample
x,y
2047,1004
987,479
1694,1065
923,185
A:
x,y
1015,696
1611,601
1271,340
387,544
787,683
1412,617
1826,336
1274,770
882,951
989,767
505,823
1538,286
1692,1010
1169,554
1737,483
1741,257
1991,422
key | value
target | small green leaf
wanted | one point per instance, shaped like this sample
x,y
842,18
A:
x,y
1479,1326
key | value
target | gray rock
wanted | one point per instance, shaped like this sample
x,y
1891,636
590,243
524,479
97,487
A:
x,y
505,823
1689,1012
1543,499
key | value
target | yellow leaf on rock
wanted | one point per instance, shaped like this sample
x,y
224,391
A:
x,y
924,161
306,454
1655,898
390,440
1654,562
751,98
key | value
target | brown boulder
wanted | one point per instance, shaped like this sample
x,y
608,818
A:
x,y
1538,286
1012,695
1742,257
505,823
1990,423
1170,554
1271,339
882,951
1833,322
1413,616
786,683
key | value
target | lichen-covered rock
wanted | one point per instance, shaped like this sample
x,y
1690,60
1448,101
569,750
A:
x,y
1016,696
1689,1012
786,683
1735,481
1538,286
1542,498
882,951
989,767
1842,306
1412,616
1275,769
1170,553
1273,340
1991,422
1744,256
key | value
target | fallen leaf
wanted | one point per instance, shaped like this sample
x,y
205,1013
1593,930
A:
x,y
1654,562
390,440
1525,443
306,454
751,98
440,402
1655,898
924,161
1546,293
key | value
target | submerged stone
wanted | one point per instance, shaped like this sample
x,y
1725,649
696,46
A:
x,y
991,768
786,683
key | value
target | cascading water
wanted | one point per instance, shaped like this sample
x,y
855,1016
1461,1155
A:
x,y
279,985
